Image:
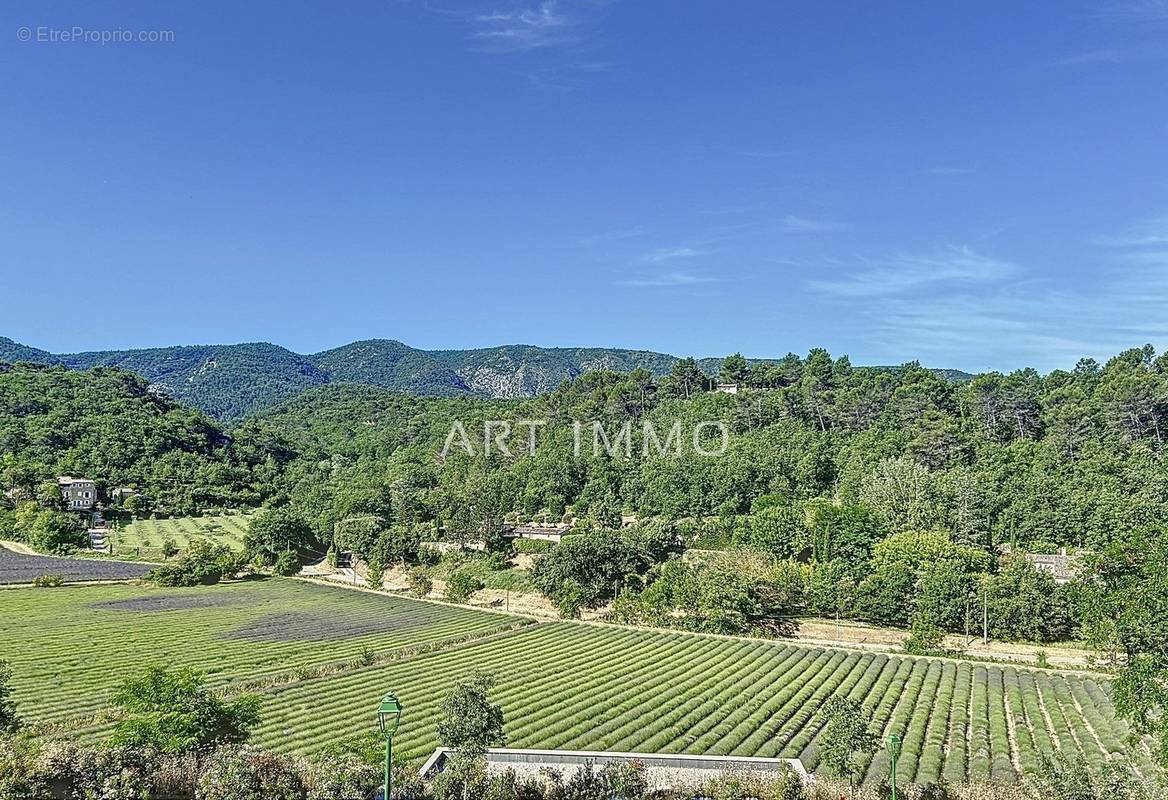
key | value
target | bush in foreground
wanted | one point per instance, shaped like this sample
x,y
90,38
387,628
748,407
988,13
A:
x,y
9,721
32,768
173,711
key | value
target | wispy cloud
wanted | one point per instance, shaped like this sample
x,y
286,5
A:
x,y
1045,325
515,26
901,273
1133,11
544,25
616,235
1118,54
663,254
795,224
667,279
1145,233
948,171
963,307
725,211
573,72
1147,19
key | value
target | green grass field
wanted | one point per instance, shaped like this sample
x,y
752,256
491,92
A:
x,y
145,537
562,685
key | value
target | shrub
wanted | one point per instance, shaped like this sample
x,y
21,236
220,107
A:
x,y
203,563
420,583
91,772
287,563
375,574
461,585
48,530
169,549
245,774
173,711
48,581
9,721
570,600
597,562
533,546
846,737
1026,604
1061,777
926,637
428,556
276,530
344,777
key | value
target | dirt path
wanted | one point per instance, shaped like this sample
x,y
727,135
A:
x,y
853,634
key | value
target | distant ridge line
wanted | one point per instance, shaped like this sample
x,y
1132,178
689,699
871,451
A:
x,y
231,381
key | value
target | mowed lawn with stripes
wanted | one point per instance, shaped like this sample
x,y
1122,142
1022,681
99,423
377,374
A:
x,y
308,650
147,537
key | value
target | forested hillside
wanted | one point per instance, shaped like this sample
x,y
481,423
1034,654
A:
x,y
388,364
1039,461
230,381
105,424
12,352
224,381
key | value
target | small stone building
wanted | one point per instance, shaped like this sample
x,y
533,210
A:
x,y
79,494
1061,565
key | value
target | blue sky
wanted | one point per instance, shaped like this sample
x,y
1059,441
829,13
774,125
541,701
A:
x,y
979,185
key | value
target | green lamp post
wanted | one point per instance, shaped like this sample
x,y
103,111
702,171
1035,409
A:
x,y
388,718
893,745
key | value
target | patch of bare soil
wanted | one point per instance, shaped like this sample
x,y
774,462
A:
x,y
529,603
869,636
827,630
396,579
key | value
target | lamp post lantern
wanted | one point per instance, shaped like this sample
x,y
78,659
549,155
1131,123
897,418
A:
x,y
893,745
388,718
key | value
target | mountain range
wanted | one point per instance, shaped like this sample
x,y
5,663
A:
x,y
231,381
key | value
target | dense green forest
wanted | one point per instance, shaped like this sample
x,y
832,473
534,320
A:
x,y
106,425
1021,459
